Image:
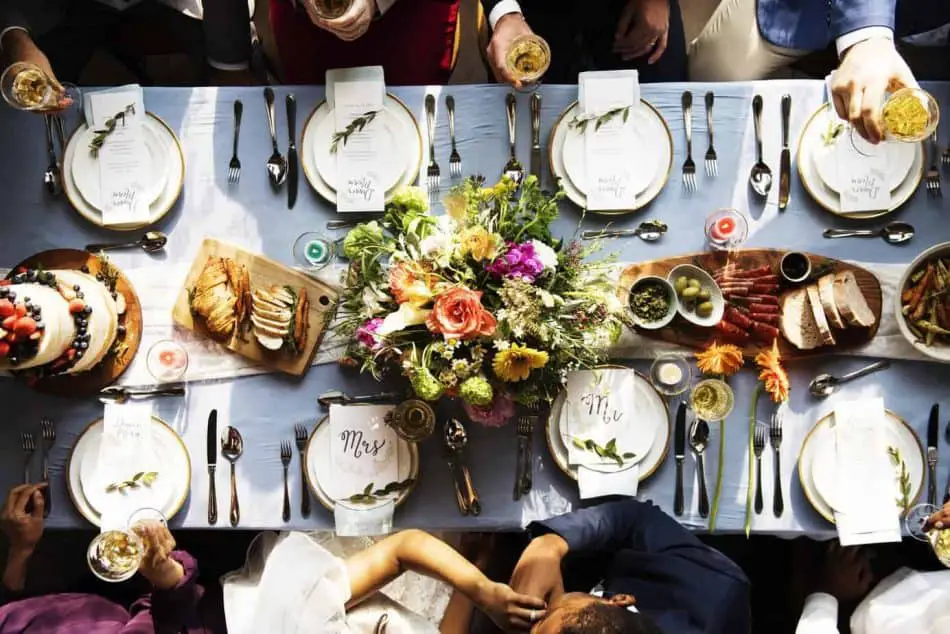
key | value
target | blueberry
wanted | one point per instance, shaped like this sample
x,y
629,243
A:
x,y
79,295
46,276
79,354
11,296
87,310
31,275
26,300
13,360
76,287
4,291
81,328
28,306
82,345
40,325
19,279
37,310
121,330
84,268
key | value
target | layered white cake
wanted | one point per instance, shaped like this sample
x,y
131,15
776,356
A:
x,y
55,322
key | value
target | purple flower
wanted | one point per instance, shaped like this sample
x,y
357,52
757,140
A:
x,y
497,414
366,334
518,261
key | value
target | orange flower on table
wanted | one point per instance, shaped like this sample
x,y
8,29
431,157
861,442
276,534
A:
x,y
458,314
480,243
772,374
411,285
720,359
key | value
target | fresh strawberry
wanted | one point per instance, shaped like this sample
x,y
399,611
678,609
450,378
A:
x,y
6,308
4,349
8,323
20,310
76,306
24,327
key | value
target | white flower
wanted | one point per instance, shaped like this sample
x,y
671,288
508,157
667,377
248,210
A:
x,y
407,315
439,242
547,299
373,296
501,344
545,254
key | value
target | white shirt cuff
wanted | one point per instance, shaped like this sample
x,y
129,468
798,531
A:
x,y
228,67
502,9
848,40
4,32
384,5
820,615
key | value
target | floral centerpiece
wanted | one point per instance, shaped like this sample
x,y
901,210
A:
x,y
481,303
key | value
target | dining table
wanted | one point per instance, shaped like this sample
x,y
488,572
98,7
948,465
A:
x,y
266,407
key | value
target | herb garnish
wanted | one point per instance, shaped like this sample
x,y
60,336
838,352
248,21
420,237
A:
x,y
581,121
903,502
142,478
831,134
97,142
608,451
356,125
369,496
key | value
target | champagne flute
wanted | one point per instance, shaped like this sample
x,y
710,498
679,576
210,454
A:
x,y
116,554
528,58
26,86
939,539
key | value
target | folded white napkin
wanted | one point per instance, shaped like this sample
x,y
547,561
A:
x,y
594,484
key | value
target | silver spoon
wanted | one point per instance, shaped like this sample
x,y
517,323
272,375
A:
x,y
698,439
761,177
151,242
892,233
646,231
232,446
276,164
456,439
120,395
825,384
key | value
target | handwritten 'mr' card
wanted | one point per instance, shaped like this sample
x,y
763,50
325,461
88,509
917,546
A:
x,y
362,448
601,406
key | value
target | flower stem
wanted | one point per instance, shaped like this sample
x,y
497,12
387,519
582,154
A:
x,y
714,512
748,498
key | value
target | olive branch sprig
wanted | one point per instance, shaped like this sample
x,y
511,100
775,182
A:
x,y
369,496
581,121
354,126
140,479
101,135
903,501
607,451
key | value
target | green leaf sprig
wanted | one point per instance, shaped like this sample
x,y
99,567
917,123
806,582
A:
x,y
101,135
369,496
140,479
832,132
607,451
356,125
581,121
903,502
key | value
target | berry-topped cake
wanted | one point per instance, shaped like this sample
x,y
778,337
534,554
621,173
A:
x,y
57,322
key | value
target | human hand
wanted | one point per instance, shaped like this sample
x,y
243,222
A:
x,y
845,573
868,70
23,530
644,26
349,26
939,520
538,571
507,28
20,48
157,566
510,611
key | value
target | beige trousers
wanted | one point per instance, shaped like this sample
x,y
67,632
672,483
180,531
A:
x,y
730,48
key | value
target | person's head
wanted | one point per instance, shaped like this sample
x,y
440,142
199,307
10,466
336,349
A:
x,y
579,613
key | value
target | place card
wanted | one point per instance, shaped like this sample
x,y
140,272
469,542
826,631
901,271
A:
x,y
362,449
863,174
609,144
600,407
126,442
359,169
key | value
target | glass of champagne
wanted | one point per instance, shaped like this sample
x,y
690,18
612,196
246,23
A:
x,y
908,115
329,9
115,555
529,57
26,86
712,399
939,539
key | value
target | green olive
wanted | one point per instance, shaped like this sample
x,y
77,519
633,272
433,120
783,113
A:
x,y
704,295
681,282
690,292
694,283
705,309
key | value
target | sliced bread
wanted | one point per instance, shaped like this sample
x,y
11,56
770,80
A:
x,y
851,302
798,321
826,291
814,301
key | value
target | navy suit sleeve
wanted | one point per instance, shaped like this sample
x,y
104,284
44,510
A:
x,y
850,15
227,31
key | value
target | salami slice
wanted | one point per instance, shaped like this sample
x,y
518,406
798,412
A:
x,y
771,319
735,317
764,332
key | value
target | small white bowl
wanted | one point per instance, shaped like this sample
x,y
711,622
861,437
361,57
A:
x,y
671,311
939,351
706,282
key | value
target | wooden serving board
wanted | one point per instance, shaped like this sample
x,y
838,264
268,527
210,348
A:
x,y
264,273
683,333
115,363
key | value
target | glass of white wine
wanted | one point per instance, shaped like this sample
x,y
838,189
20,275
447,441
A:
x,y
115,555
528,58
712,399
329,9
939,539
26,86
908,115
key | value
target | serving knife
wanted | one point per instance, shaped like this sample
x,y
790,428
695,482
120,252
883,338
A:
x,y
785,162
292,163
536,135
212,465
933,439
679,453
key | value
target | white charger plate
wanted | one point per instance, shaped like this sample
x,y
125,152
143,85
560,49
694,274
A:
x,y
393,161
810,143
654,130
175,471
410,146
828,158
818,477
86,172
174,176
319,466
652,413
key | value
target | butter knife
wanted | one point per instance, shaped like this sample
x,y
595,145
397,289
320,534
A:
x,y
292,165
536,135
785,162
212,465
933,441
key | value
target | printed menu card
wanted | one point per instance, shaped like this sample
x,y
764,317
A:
x,y
356,93
122,158
606,99
362,448
124,451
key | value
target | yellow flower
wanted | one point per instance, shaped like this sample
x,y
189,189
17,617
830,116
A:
x,y
772,374
722,359
480,243
456,207
504,187
517,362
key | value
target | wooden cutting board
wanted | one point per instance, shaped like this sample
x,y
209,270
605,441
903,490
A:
x,y
264,273
683,333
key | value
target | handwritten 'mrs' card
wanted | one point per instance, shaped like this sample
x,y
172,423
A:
x,y
601,407
863,170
362,448
359,186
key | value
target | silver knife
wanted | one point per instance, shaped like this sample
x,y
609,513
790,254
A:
x,y
292,167
679,453
212,464
933,440
785,162
536,135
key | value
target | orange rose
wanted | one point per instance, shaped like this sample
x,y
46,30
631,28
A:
x,y
458,314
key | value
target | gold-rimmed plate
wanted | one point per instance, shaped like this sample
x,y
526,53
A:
x,y
174,178
813,449
811,144
175,472
659,134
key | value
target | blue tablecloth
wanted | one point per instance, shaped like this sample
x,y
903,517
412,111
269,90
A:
x,y
265,408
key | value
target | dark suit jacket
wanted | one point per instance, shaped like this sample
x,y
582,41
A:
x,y
684,585
813,24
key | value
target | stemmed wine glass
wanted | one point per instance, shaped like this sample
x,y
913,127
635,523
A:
x,y
939,539
26,86
528,58
115,555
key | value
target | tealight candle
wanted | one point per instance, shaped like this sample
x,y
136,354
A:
x,y
669,374
317,252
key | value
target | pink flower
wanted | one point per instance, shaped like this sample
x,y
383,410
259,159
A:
x,y
497,414
518,261
366,334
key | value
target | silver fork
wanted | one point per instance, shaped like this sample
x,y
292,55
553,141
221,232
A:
x,y
433,178
933,175
712,165
29,446
300,436
522,468
455,159
945,159
285,454
234,167
513,168
775,435
689,167
48,433
758,445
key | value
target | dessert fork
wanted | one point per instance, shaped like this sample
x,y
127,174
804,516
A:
x,y
234,167
433,174
712,164
775,435
758,445
300,436
48,433
513,168
523,466
29,446
285,455
689,167
455,159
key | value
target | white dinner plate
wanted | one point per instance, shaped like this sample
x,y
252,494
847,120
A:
x,y
655,132
319,467
174,176
167,493
409,146
828,158
652,414
393,161
817,472
811,143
